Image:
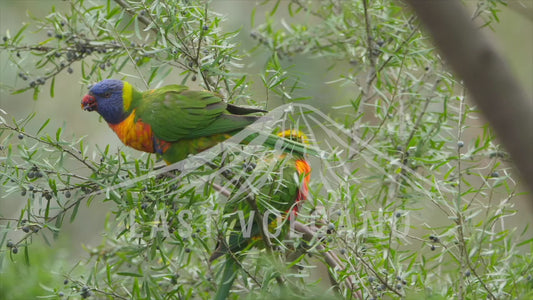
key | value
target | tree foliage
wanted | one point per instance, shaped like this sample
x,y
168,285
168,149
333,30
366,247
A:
x,y
403,203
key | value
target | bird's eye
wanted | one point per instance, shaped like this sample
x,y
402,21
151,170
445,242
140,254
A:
x,y
107,95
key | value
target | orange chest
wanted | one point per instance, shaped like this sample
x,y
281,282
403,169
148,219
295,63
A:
x,y
304,169
135,134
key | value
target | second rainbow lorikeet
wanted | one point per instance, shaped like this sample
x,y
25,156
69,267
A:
x,y
283,185
173,121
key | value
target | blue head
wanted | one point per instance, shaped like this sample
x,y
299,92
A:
x,y
107,98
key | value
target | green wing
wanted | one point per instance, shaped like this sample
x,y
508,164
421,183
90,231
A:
x,y
174,112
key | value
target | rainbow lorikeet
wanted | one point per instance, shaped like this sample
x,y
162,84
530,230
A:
x,y
173,121
283,185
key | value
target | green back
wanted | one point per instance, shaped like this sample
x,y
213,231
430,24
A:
x,y
174,112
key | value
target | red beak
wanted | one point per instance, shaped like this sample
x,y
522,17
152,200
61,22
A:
x,y
89,103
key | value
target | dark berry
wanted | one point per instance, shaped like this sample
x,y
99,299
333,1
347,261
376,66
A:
x,y
20,136
205,27
67,194
49,33
460,144
47,196
26,229
398,215
15,250
10,244
32,84
467,273
249,167
434,238
174,279
4,39
187,250
495,174
69,70
432,247
65,281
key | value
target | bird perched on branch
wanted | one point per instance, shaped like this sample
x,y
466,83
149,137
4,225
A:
x,y
280,184
174,121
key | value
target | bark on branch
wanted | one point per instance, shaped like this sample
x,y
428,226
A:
x,y
485,74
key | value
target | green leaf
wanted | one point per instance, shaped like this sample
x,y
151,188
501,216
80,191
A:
x,y
26,256
52,85
276,6
19,33
75,211
36,93
47,210
129,274
252,17
53,186
20,91
58,134
43,126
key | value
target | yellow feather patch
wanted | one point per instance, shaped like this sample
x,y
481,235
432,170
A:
x,y
127,95
295,135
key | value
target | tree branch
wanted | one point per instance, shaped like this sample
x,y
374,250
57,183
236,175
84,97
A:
x,y
486,75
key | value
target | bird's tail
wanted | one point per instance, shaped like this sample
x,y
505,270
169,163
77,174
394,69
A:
x,y
228,276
